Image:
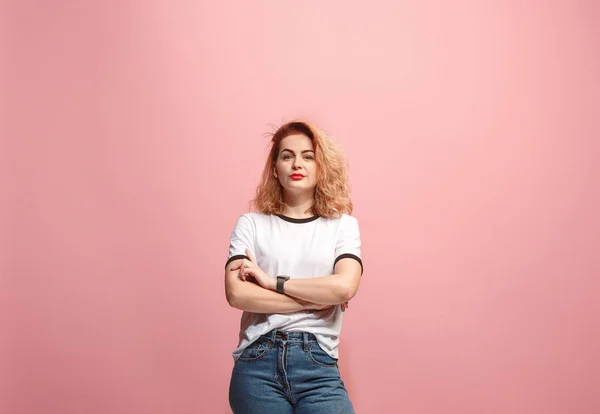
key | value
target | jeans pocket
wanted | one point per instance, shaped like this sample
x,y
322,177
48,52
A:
x,y
255,350
318,356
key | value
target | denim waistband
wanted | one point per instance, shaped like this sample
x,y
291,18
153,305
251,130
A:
x,y
293,336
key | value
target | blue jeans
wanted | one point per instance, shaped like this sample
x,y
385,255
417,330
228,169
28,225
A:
x,y
287,372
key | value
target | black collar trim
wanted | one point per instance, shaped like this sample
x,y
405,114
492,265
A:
x,y
297,220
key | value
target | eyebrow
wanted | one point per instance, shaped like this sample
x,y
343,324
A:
x,y
289,150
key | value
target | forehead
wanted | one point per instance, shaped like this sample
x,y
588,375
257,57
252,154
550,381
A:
x,y
297,142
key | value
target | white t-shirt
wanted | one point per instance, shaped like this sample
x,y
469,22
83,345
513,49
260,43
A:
x,y
299,248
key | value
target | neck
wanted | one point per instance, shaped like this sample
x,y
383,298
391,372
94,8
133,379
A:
x,y
298,205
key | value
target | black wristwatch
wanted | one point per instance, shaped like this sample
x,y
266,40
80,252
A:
x,y
280,281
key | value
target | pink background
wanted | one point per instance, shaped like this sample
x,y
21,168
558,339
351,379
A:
x,y
133,137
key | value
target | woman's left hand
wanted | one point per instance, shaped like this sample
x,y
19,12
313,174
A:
x,y
249,268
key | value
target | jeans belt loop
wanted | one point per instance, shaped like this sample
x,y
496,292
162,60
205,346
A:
x,y
306,344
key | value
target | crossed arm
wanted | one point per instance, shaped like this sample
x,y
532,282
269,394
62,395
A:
x,y
300,294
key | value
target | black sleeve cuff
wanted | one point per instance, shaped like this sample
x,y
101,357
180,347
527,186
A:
x,y
232,258
351,256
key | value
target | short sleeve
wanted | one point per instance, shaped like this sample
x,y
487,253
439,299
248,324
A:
x,y
242,238
348,240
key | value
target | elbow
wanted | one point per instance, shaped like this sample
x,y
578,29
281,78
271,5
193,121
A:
x,y
347,292
347,287
231,302
231,298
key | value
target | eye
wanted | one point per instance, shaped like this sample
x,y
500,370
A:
x,y
309,157
286,157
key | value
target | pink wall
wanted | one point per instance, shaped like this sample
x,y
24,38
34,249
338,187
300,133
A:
x,y
133,138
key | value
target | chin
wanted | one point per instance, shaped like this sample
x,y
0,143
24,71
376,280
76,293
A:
x,y
300,188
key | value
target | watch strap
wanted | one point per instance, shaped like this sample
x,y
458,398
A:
x,y
280,281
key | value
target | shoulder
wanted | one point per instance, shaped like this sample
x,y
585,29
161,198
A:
x,y
341,218
341,223
348,225
347,220
254,219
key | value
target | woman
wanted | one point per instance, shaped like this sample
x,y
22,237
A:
x,y
292,268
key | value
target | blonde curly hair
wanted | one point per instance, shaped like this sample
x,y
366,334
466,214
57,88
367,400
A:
x,y
332,191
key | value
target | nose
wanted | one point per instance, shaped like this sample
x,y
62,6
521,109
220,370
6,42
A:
x,y
297,163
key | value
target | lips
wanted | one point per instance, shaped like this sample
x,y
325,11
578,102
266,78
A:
x,y
296,176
